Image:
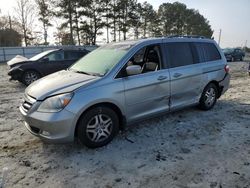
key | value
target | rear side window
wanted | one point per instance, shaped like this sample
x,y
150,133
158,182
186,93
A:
x,y
71,55
179,54
207,52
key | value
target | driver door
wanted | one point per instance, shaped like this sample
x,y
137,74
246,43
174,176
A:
x,y
53,62
146,93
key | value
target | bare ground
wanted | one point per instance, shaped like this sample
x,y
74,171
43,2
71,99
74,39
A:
x,y
189,148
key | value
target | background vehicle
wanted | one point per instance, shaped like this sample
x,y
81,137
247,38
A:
x,y
122,83
233,54
28,70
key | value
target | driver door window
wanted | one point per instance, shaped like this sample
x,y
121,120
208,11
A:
x,y
148,58
54,62
56,56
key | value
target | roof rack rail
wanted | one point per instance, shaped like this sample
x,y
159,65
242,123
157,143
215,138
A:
x,y
187,36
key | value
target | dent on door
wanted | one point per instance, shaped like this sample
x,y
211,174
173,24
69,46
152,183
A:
x,y
147,94
185,86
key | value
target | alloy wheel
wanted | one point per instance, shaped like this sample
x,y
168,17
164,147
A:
x,y
30,77
210,96
99,128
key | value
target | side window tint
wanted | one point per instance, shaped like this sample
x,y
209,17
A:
x,y
207,52
55,56
138,57
81,54
179,54
71,55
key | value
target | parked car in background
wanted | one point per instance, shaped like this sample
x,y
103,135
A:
x,y
233,54
121,83
249,69
28,70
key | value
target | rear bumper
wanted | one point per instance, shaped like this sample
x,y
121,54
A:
x,y
224,84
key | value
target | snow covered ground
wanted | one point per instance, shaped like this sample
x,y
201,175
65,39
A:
x,y
188,148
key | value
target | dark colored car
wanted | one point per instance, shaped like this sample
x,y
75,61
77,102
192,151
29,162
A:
x,y
28,70
233,54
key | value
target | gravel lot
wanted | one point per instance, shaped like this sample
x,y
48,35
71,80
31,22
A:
x,y
188,148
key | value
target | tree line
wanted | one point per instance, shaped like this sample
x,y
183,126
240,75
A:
x,y
78,22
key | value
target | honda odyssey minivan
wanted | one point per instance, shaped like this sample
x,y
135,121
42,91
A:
x,y
121,83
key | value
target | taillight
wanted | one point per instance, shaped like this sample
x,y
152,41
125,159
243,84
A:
x,y
227,69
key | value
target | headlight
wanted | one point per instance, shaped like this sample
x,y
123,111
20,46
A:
x,y
55,103
15,69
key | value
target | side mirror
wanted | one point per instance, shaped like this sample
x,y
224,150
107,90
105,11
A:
x,y
133,70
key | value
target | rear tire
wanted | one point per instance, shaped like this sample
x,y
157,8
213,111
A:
x,y
209,97
97,127
30,76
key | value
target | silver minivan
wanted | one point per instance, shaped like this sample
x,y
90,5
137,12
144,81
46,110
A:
x,y
121,83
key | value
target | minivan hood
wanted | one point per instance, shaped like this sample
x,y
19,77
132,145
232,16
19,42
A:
x,y
17,60
60,82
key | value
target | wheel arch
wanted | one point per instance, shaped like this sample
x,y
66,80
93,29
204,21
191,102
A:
x,y
32,69
216,83
117,110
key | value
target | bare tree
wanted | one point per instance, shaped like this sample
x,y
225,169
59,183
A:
x,y
25,15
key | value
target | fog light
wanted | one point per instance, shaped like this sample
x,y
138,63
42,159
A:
x,y
45,133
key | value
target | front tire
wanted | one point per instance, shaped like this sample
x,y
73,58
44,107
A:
x,y
209,97
30,76
97,127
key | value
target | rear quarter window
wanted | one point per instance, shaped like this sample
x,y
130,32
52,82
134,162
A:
x,y
207,52
179,54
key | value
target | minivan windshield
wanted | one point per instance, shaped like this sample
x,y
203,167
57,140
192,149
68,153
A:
x,y
101,60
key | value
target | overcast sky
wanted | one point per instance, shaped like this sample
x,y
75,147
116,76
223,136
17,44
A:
x,y
232,17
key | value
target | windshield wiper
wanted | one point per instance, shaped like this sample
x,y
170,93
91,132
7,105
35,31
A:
x,y
87,73
82,72
96,74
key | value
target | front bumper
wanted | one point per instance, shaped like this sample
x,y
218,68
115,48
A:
x,y
15,74
50,127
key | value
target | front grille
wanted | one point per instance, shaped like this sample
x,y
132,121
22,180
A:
x,y
26,106
28,102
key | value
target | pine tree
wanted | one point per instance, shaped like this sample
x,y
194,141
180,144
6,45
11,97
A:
x,y
134,19
45,15
146,14
176,19
94,12
66,11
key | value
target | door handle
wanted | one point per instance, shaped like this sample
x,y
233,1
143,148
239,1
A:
x,y
177,75
162,78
